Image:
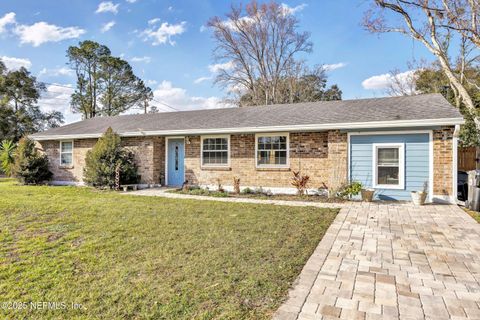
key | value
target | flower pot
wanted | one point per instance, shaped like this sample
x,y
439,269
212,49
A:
x,y
367,194
418,197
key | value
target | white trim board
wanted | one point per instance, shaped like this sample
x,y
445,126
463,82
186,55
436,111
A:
x,y
288,128
401,166
272,166
215,165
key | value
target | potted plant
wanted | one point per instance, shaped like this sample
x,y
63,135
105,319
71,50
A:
x,y
367,194
419,197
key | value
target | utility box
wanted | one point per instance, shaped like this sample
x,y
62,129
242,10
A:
x,y
473,202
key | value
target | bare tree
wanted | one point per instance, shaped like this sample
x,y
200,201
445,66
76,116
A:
x,y
257,44
433,23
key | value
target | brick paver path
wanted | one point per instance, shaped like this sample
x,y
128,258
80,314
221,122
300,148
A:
x,y
389,262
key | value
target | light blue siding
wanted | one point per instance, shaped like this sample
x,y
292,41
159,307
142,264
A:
x,y
416,162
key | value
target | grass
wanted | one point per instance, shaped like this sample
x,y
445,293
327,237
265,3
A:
x,y
261,196
133,257
474,214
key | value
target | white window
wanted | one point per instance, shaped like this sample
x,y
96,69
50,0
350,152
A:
x,y
388,166
215,151
66,153
271,150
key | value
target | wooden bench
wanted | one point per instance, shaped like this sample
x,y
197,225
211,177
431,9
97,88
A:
x,y
125,187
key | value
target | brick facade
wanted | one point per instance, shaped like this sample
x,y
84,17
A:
x,y
149,156
443,161
321,155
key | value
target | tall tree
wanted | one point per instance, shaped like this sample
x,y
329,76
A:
x,y
434,23
120,88
433,80
106,85
19,113
257,44
301,84
85,60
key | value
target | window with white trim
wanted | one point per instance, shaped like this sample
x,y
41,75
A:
x,y
389,166
215,151
272,150
66,153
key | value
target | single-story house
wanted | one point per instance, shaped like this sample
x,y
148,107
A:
x,y
395,145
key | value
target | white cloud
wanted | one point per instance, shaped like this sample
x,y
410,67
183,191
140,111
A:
x,y
289,10
203,28
55,72
215,68
131,1
170,8
202,79
334,66
164,33
41,32
57,98
8,18
385,81
179,99
107,26
143,59
153,21
107,6
13,63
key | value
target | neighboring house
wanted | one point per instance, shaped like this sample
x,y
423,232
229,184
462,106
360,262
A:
x,y
394,145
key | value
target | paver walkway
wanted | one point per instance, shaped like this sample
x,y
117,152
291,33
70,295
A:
x,y
392,262
384,261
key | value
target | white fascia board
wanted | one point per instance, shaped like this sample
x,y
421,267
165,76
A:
x,y
294,128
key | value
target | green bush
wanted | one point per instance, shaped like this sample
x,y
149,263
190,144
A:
x,y
352,189
247,190
30,166
7,157
102,160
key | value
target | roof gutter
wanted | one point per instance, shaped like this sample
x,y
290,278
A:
x,y
291,128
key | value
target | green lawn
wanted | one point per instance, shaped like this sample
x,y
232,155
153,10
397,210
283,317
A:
x,y
145,257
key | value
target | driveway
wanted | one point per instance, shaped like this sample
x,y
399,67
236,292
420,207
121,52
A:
x,y
382,261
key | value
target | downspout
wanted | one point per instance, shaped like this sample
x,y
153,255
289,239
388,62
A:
x,y
456,133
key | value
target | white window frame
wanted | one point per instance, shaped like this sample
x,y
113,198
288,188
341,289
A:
x,y
274,134
61,153
215,165
401,166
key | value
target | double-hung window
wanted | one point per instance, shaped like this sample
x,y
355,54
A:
x,y
66,153
271,150
388,166
216,151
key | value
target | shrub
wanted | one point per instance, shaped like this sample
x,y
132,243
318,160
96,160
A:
x,y
7,157
300,182
247,190
351,189
30,166
105,156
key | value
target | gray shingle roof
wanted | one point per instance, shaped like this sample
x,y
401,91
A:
x,y
312,115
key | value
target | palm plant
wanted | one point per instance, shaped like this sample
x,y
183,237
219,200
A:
x,y
7,156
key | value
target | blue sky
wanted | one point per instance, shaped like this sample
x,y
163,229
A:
x,y
168,47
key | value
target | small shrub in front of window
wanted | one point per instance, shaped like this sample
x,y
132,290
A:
x,y
30,166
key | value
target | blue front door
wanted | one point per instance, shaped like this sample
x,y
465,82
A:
x,y
175,165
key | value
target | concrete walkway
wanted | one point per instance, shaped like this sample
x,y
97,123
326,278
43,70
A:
x,y
384,261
